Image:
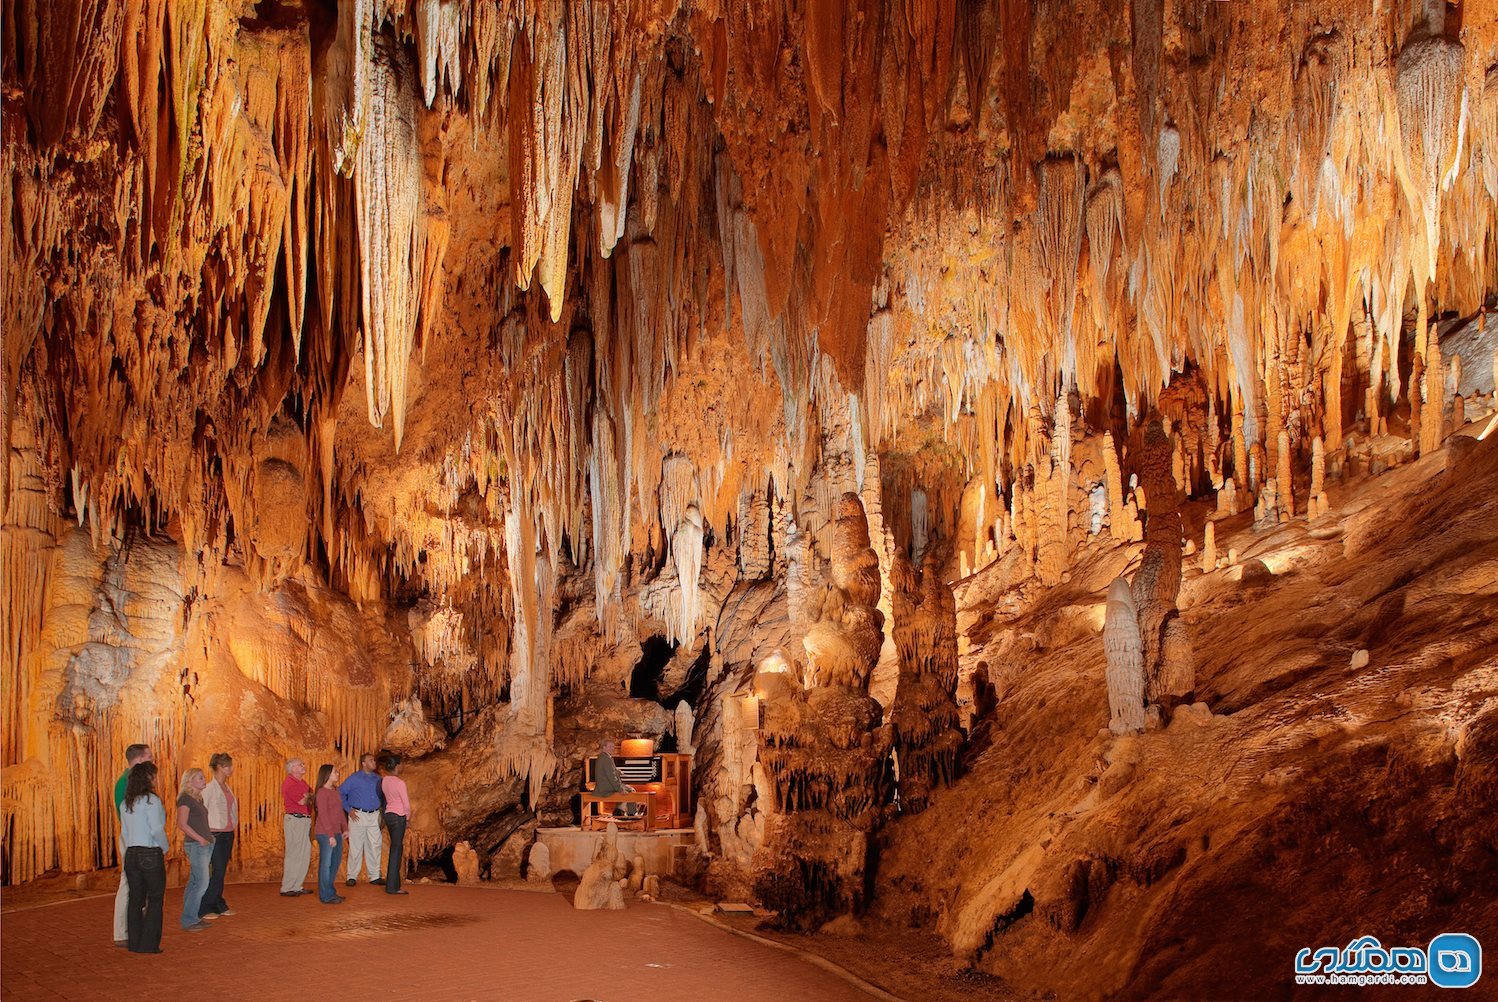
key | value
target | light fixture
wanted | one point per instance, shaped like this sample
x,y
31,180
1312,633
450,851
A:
x,y
637,747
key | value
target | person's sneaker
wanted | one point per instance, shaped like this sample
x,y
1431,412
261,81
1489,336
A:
x,y
210,916
200,927
397,892
227,911
290,894
123,944
337,900
378,880
350,882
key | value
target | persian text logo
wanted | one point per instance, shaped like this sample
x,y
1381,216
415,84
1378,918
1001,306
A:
x,y
1452,960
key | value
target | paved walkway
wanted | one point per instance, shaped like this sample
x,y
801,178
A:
x,y
438,943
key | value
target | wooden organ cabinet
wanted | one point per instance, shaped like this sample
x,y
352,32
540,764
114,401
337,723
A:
x,y
668,777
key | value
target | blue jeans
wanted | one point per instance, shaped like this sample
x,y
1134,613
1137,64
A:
x,y
213,898
329,855
200,858
395,827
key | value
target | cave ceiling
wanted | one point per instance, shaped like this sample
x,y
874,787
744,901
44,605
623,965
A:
x,y
389,291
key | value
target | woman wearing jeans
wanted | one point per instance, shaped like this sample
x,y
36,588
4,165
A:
x,y
223,820
331,826
397,813
143,827
197,842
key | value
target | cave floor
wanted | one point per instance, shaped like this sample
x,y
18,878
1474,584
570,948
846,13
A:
x,y
440,942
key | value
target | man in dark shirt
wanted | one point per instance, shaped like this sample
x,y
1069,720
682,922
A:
x,y
363,801
134,755
606,779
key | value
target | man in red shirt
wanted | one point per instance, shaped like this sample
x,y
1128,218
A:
x,y
296,797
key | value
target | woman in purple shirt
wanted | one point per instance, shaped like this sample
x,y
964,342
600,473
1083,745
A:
x,y
330,827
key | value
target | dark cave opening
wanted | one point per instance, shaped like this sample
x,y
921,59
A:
x,y
645,679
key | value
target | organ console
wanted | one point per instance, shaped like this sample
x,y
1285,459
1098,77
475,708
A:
x,y
666,778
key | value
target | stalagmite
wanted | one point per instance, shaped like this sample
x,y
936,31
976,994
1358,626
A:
x,y
1318,467
1125,661
1283,477
1176,682
1123,524
538,864
1433,387
1266,510
1209,549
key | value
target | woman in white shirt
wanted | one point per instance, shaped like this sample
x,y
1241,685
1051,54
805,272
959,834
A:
x,y
223,821
143,827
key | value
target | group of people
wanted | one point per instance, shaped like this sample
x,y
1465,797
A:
x,y
349,812
207,815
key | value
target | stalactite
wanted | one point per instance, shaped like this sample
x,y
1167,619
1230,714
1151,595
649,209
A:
x,y
438,42
686,551
392,241
349,88
1429,79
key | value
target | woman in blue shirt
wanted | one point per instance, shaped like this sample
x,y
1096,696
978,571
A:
x,y
143,823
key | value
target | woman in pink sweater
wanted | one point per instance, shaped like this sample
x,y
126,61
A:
x,y
331,826
397,813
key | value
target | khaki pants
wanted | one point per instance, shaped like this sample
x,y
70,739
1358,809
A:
x,y
122,905
298,832
364,843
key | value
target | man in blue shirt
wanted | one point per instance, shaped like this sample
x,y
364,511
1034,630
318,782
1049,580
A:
x,y
363,801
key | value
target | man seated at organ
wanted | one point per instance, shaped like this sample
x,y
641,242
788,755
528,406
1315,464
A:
x,y
606,778
644,785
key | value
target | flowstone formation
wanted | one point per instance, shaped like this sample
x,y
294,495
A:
x,y
824,748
